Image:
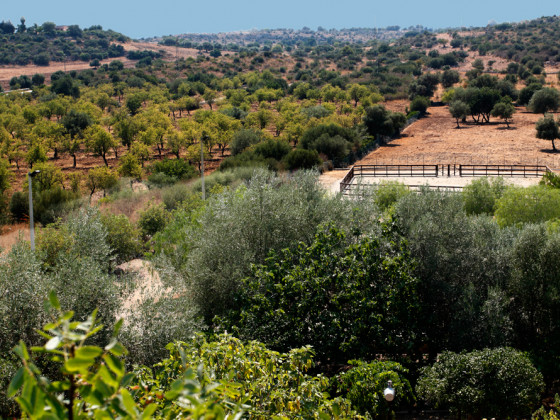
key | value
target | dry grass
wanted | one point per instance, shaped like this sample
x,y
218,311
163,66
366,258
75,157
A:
x,y
435,139
12,234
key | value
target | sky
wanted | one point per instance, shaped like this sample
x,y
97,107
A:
x,y
148,18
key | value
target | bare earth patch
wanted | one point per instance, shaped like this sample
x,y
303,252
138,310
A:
x,y
435,139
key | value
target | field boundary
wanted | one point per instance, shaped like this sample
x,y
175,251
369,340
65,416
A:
x,y
358,172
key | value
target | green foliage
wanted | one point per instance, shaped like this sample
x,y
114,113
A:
x,y
491,383
129,166
94,378
459,110
276,308
122,236
465,260
240,227
481,195
272,149
550,179
270,384
363,386
544,100
153,219
528,205
534,288
332,140
180,195
243,139
547,129
302,159
552,414
382,122
386,194
419,104
176,169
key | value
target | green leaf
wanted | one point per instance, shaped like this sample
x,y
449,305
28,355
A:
x,y
117,327
114,364
88,352
78,365
54,300
17,382
21,350
129,403
149,411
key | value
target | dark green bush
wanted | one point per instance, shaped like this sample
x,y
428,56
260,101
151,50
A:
x,y
276,308
153,219
243,139
499,382
301,159
19,206
420,104
174,168
271,148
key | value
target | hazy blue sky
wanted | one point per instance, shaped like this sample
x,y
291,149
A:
x,y
145,18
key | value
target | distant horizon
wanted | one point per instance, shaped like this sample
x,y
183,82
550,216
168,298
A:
x,y
141,20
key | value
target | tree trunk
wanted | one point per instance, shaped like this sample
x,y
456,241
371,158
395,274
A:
x,y
74,157
55,153
104,159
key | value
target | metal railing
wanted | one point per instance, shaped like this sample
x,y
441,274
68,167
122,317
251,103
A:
x,y
504,170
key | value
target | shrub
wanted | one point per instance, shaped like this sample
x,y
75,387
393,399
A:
x,y
248,158
420,104
481,195
174,196
240,227
243,139
528,205
159,179
276,308
498,382
129,166
271,148
19,206
364,383
386,194
301,159
153,219
274,385
176,168
122,236
49,205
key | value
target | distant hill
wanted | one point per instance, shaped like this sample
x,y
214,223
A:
x,y
43,44
288,36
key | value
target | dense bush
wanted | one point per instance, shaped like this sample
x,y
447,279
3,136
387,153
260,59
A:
x,y
244,139
465,259
302,159
153,219
122,236
177,169
276,309
481,195
487,383
386,194
363,386
240,227
528,205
